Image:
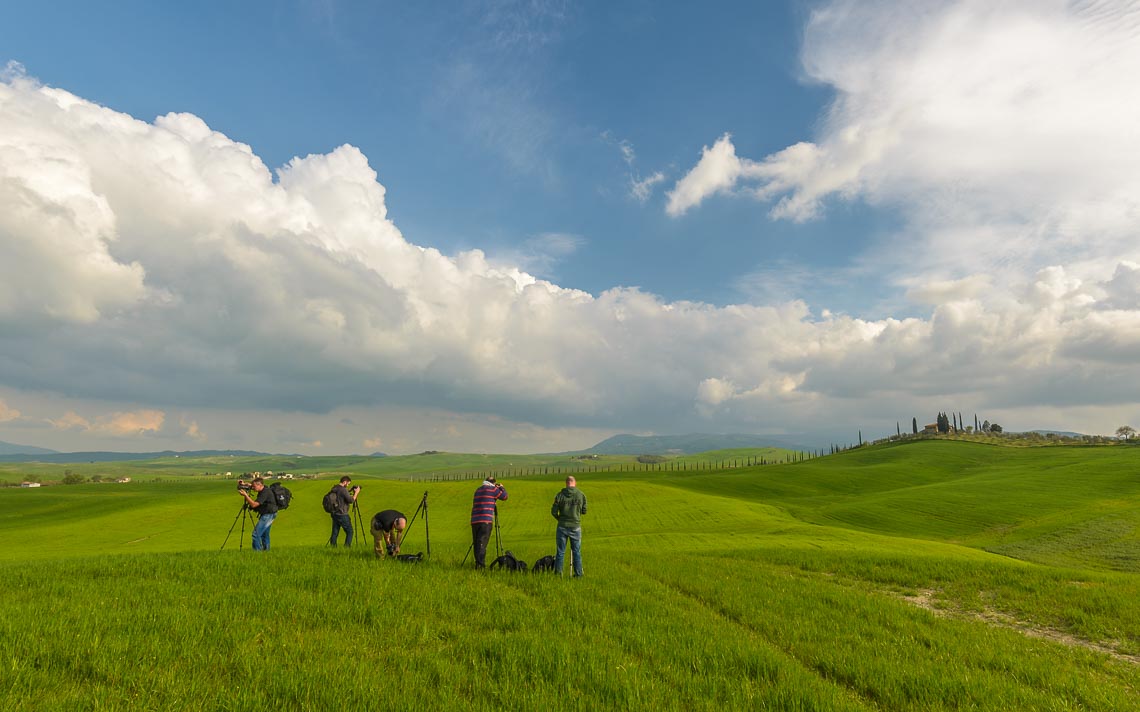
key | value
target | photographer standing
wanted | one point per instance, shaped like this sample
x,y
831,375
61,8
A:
x,y
568,508
483,517
343,498
266,506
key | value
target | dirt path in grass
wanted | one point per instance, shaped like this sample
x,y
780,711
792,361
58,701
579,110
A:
x,y
925,599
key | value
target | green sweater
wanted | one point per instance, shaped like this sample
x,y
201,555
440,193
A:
x,y
568,508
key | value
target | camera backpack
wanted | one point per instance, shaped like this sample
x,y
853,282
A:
x,y
330,501
282,495
509,562
546,563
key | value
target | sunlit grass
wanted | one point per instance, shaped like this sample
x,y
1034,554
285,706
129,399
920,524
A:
x,y
766,588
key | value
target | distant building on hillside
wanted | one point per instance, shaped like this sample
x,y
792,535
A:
x,y
123,480
30,484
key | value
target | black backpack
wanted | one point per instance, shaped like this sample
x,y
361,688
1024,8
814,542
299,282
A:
x,y
282,495
410,558
509,562
546,563
330,501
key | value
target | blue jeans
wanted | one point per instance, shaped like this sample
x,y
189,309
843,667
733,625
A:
x,y
261,531
561,535
341,521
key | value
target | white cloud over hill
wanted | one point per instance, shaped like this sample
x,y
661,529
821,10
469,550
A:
x,y
163,263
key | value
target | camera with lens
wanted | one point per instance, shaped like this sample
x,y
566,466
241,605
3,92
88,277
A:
x,y
356,488
244,486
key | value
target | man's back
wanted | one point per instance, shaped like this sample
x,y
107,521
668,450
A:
x,y
569,506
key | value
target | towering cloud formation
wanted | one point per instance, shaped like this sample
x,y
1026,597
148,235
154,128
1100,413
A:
x,y
164,263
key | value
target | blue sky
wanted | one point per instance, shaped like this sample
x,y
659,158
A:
x,y
491,124
524,226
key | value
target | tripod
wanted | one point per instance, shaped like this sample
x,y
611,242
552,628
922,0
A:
x,y
355,516
423,507
243,514
498,536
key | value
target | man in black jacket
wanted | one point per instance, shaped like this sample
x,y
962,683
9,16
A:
x,y
266,506
387,530
344,498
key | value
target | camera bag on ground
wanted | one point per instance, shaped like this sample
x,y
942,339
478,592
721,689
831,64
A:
x,y
281,494
546,563
410,558
330,501
509,562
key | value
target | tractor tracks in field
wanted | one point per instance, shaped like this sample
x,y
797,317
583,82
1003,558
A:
x,y
856,693
926,600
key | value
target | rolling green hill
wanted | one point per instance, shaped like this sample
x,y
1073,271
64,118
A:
x,y
926,575
422,466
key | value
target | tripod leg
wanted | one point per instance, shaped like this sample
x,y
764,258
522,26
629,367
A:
x,y
231,531
408,526
498,535
359,522
427,529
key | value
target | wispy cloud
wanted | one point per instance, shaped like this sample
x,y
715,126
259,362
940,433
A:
x,y
526,25
7,413
640,189
541,254
113,424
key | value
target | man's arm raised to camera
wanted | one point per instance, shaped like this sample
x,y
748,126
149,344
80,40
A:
x,y
250,501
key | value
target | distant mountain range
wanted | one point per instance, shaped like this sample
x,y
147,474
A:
x,y
13,449
1063,433
24,453
688,444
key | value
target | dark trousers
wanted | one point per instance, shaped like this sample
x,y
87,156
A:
x,y
341,521
480,535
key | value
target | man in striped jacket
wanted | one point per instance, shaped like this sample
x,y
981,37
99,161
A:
x,y
483,517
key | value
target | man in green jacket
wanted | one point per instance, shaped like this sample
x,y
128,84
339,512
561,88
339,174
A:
x,y
568,508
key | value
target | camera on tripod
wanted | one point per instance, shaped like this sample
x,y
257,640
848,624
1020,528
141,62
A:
x,y
244,486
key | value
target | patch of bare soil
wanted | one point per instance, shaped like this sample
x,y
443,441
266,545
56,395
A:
x,y
926,599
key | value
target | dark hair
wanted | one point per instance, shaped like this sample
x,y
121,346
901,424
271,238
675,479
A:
x,y
344,479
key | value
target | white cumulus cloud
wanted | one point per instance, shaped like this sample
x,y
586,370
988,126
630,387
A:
x,y
1005,133
163,263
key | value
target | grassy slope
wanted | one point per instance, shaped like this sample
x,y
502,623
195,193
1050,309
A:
x,y
1060,505
778,586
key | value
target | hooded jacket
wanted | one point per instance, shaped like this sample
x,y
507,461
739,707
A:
x,y
568,508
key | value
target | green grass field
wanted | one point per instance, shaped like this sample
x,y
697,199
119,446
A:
x,y
927,575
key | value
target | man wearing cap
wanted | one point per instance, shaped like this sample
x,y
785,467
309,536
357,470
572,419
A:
x,y
483,517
